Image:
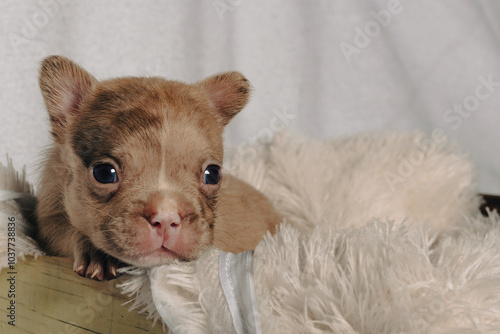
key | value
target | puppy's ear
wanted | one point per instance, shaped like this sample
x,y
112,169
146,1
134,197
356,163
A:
x,y
228,92
64,84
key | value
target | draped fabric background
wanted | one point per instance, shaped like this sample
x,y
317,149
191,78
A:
x,y
326,68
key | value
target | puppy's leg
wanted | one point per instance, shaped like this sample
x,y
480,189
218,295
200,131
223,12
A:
x,y
244,214
92,263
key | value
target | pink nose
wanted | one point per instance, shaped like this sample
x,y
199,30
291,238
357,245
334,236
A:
x,y
164,220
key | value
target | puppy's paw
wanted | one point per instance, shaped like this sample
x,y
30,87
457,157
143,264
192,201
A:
x,y
96,265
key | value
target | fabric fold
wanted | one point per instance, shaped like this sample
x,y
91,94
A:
x,y
238,285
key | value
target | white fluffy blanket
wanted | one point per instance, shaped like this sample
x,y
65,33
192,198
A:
x,y
382,235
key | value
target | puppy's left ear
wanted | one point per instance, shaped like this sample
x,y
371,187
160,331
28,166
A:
x,y
229,93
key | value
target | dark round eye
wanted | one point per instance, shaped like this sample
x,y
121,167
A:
x,y
211,175
105,173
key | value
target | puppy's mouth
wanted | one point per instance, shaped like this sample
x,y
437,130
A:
x,y
165,252
157,257
162,255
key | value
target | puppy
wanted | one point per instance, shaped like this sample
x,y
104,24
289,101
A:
x,y
134,175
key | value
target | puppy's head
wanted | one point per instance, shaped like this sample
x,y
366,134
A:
x,y
143,158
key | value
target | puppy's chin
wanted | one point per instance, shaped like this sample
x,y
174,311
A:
x,y
155,257
159,257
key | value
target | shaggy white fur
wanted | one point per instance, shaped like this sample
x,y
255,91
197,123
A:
x,y
383,235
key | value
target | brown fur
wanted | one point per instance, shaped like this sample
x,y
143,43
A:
x,y
160,135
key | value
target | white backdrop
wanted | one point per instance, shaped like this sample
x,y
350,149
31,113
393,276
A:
x,y
325,68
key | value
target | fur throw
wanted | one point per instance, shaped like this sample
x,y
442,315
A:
x,y
382,235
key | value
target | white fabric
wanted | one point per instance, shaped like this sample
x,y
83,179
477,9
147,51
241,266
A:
x,y
408,74
233,275
237,282
360,253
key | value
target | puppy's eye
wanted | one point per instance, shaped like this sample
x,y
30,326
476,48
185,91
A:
x,y
211,175
105,173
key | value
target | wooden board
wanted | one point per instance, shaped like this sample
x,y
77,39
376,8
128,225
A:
x,y
50,298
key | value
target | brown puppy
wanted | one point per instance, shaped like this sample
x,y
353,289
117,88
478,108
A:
x,y
134,175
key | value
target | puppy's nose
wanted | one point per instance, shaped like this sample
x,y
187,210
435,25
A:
x,y
165,219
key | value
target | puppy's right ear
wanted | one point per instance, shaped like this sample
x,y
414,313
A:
x,y
228,92
64,84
